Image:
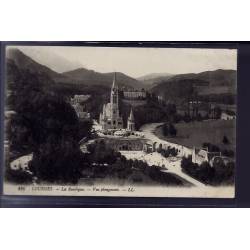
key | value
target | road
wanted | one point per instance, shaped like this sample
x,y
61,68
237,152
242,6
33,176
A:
x,y
148,131
173,166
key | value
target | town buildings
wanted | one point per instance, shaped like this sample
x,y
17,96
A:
x,y
81,114
79,99
77,102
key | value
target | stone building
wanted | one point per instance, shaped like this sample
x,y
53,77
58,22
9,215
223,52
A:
x,y
81,114
203,155
110,117
122,143
134,94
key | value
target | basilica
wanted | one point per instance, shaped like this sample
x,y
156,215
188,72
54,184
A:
x,y
110,117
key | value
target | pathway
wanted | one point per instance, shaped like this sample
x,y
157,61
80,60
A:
x,y
173,166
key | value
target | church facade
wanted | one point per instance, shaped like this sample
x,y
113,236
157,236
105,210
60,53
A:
x,y
110,117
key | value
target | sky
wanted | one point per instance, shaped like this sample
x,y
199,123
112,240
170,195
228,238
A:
x,y
134,62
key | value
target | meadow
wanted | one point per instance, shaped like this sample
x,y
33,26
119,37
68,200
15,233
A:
x,y
196,133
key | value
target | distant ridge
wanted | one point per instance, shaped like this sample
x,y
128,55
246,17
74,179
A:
x,y
91,77
209,82
151,79
215,82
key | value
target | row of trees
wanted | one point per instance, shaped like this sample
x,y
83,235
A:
x,y
214,148
169,151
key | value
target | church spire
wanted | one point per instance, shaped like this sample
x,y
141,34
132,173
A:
x,y
114,81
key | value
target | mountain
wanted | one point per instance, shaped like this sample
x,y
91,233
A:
x,y
91,77
217,82
80,76
47,56
24,62
215,78
153,76
151,80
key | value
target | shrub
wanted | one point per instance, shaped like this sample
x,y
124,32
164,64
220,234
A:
x,y
18,176
228,153
170,151
169,129
211,147
225,140
165,129
172,130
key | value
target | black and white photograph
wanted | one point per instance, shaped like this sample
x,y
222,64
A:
x,y
120,121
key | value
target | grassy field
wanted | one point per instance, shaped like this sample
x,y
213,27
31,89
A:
x,y
196,133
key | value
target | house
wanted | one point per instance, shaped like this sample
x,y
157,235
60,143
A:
x,y
203,155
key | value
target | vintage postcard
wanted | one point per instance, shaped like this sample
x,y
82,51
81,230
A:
x,y
120,121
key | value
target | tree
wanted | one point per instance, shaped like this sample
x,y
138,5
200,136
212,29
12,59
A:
x,y
186,118
211,147
225,140
47,126
228,153
165,129
172,130
217,112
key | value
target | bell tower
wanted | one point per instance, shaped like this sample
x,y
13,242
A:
x,y
114,93
131,121
114,104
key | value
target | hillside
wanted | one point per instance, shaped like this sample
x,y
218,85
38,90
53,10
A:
x,y
91,77
218,77
218,82
24,62
151,80
81,76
